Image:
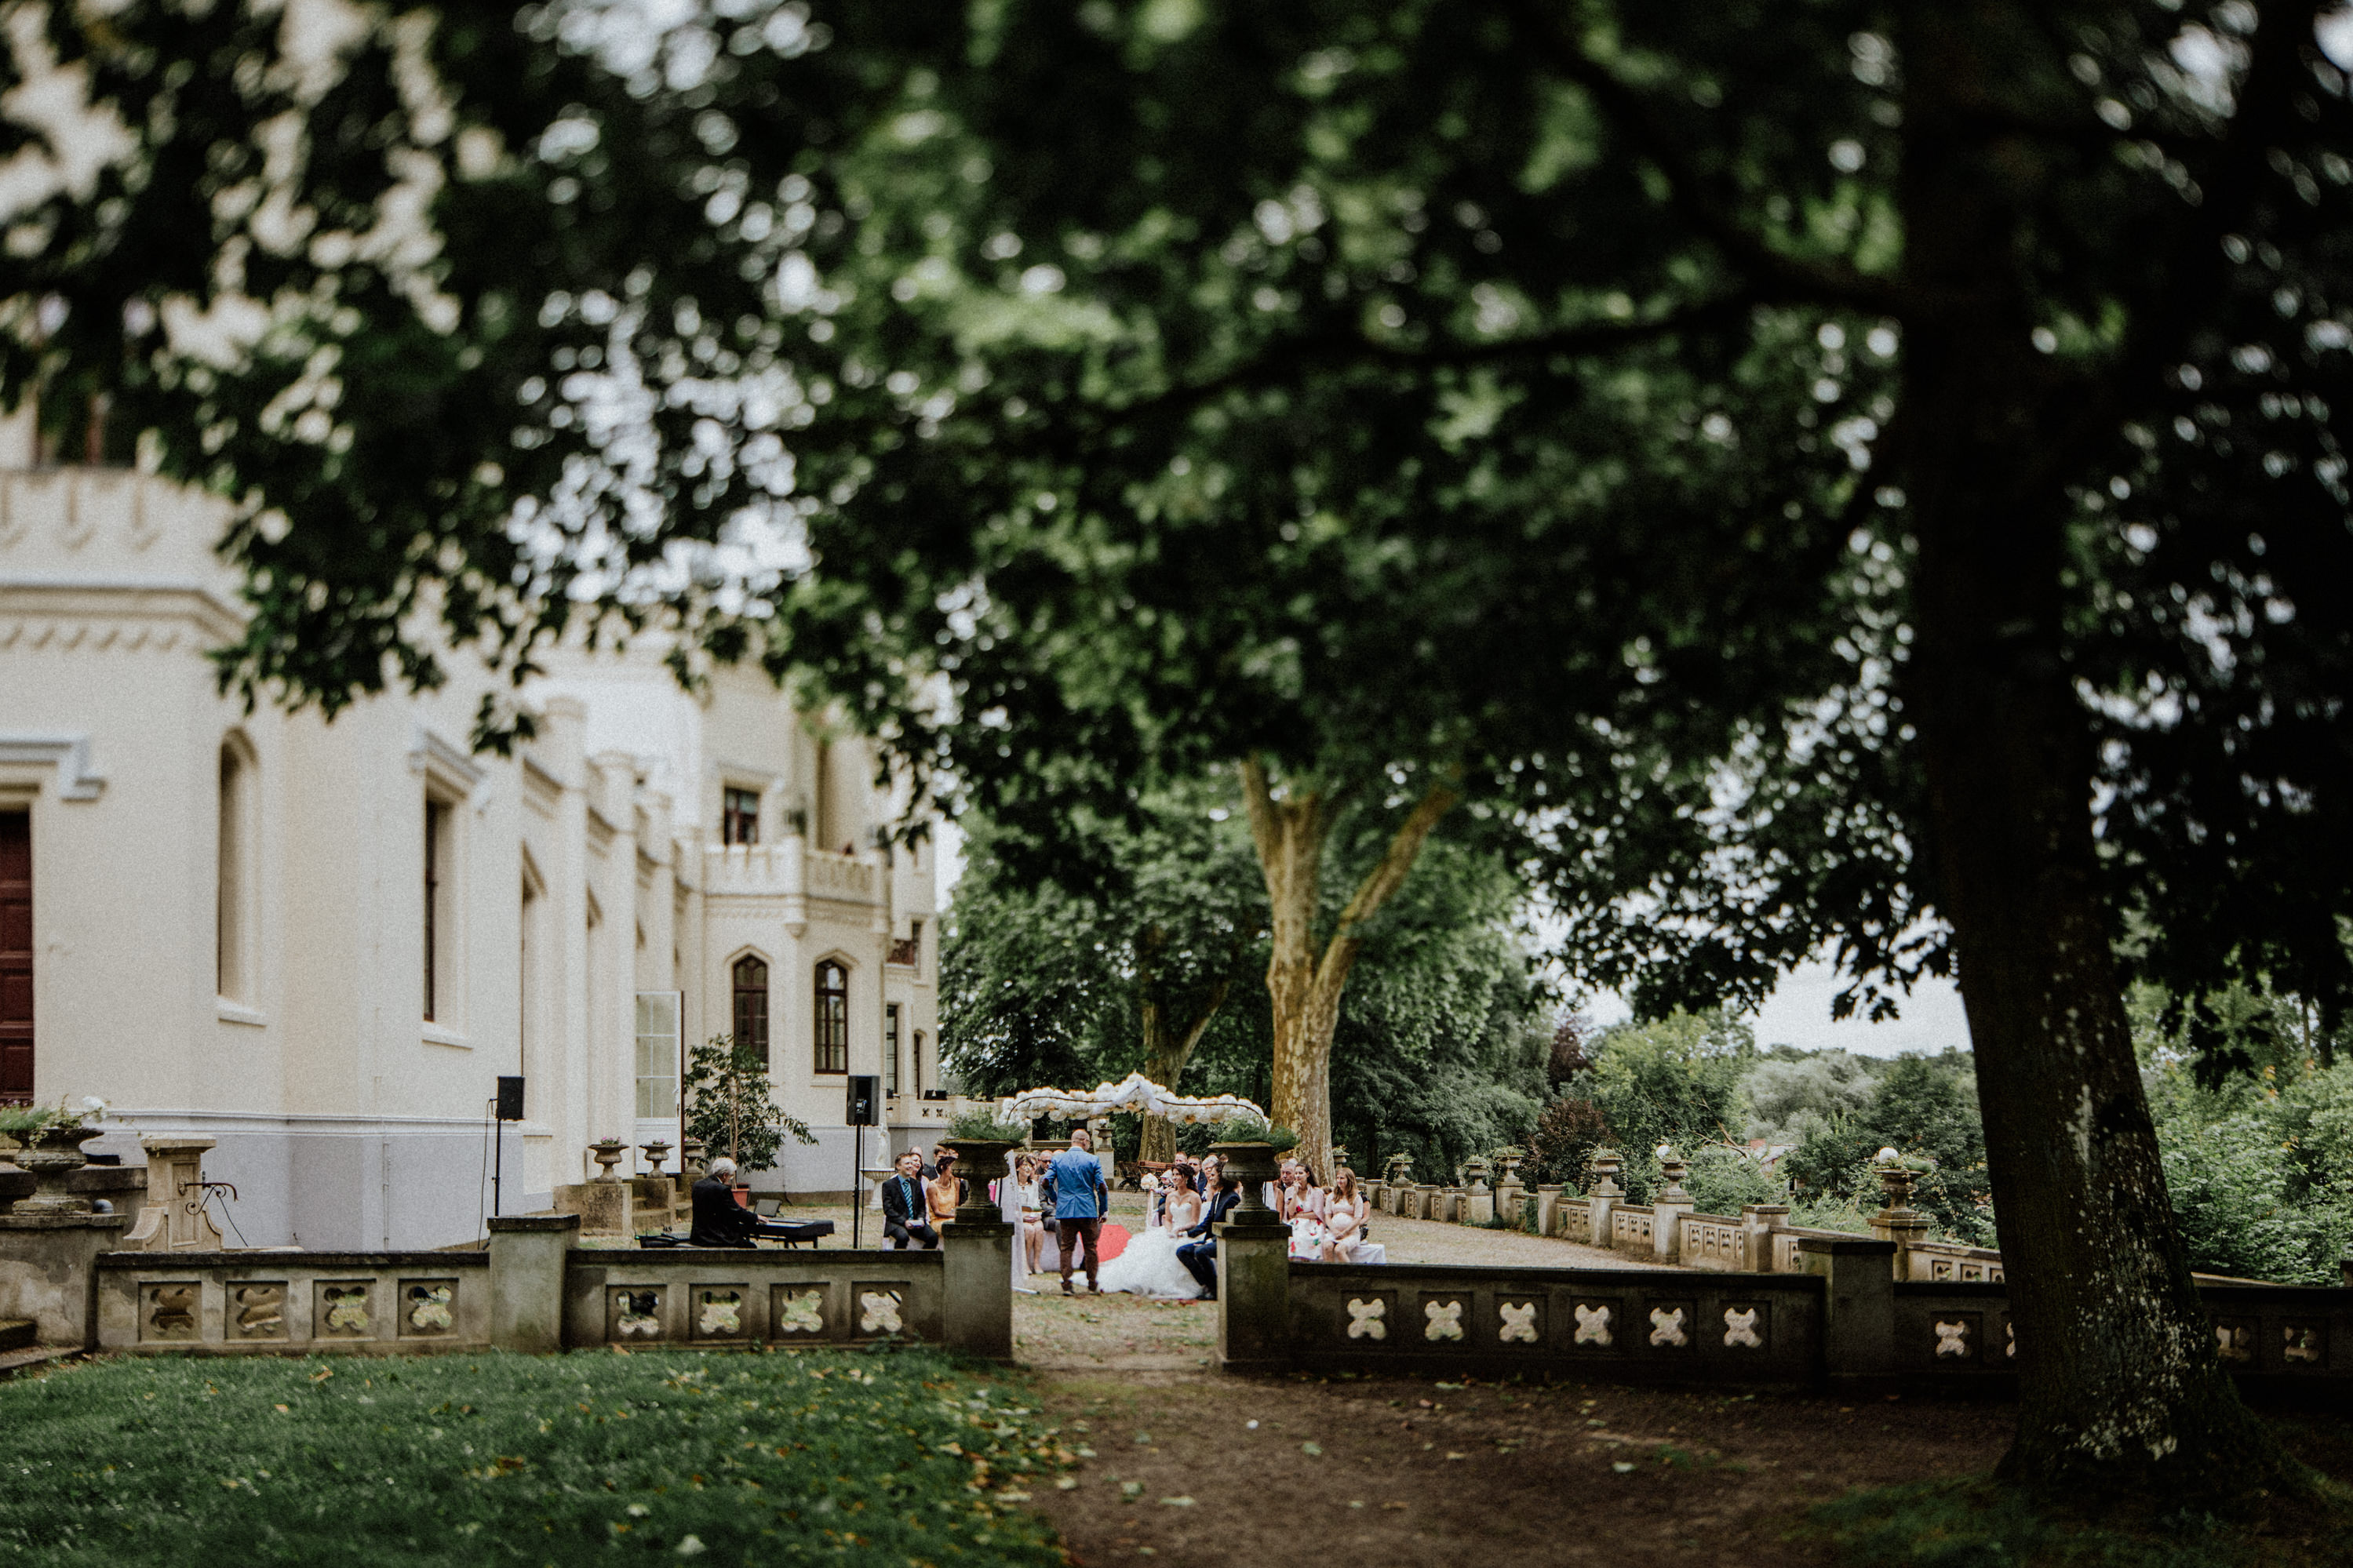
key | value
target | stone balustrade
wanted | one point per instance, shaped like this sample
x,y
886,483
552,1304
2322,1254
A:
x,y
534,1290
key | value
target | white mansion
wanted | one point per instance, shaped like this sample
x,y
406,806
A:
x,y
323,943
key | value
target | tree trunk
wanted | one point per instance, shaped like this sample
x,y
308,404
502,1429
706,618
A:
x,y
1166,1052
2120,1391
1304,986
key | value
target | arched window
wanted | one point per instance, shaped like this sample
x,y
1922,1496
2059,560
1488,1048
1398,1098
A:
x,y
832,1018
233,948
752,1007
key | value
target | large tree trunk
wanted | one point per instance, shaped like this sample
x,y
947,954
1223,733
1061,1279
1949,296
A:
x,y
1169,1040
2120,1391
1304,985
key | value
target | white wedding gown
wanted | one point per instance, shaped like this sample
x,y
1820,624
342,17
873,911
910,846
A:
x,y
1147,1265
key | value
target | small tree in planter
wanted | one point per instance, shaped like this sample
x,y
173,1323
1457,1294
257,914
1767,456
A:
x,y
731,1107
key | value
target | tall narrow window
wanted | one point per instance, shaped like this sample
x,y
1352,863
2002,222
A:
x,y
751,1007
437,914
890,1048
919,1064
16,958
832,1018
739,816
233,922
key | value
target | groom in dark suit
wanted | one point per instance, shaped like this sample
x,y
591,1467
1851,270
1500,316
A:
x,y
1200,1257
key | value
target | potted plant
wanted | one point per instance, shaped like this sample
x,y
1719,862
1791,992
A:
x,y
1249,1144
49,1145
982,1138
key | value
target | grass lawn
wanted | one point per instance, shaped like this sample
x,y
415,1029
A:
x,y
901,1457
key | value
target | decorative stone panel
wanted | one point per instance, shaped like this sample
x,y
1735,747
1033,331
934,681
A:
x,y
634,1314
428,1308
344,1310
1520,1320
167,1312
1369,1317
719,1312
796,1312
1598,1324
1671,1326
256,1311
877,1309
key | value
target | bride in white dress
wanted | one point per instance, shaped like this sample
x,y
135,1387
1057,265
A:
x,y
1147,1265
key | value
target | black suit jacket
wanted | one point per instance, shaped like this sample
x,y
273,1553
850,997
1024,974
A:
x,y
1219,1206
718,1219
897,1193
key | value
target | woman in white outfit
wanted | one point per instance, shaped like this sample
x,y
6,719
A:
x,y
1345,1212
1147,1265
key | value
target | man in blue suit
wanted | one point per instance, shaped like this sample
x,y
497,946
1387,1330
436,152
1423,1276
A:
x,y
1200,1257
1075,1189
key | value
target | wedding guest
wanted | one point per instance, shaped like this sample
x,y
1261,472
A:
x,y
944,1191
1183,1205
1200,1256
1344,1220
1033,1226
904,1211
1074,1180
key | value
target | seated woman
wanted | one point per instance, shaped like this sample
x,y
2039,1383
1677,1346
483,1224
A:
x,y
1033,1222
1300,1193
1344,1220
944,1191
1147,1265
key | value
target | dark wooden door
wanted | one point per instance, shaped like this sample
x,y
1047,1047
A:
x,y
16,957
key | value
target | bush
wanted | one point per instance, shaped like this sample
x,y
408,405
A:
x,y
1721,1180
1566,1136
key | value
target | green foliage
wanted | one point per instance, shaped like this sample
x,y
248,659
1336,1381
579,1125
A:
x,y
460,1459
1793,1094
1721,1179
731,1107
1924,1107
1249,1129
1564,1138
1054,949
1978,1523
1674,1080
2260,1171
982,1122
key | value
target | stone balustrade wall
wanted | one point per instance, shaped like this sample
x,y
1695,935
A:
x,y
293,1302
532,1290
722,1296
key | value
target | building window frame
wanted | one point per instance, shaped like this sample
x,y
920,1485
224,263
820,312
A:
x,y
830,1017
739,814
236,903
748,982
890,1048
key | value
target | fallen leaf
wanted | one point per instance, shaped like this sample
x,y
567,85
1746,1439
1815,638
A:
x,y
1623,1466
1399,1507
1313,1450
1176,1502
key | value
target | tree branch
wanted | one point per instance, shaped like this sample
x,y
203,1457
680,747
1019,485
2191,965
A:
x,y
1383,880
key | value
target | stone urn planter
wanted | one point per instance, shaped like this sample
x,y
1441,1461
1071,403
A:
x,y
1474,1172
979,1161
1605,1165
51,1155
608,1153
1673,1169
657,1155
1252,1165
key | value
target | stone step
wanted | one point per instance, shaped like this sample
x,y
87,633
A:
x,y
35,1358
17,1333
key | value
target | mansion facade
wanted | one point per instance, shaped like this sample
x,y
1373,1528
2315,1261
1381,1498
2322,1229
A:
x,y
322,944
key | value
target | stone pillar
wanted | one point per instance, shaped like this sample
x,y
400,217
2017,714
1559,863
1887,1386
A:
x,y
48,1272
174,1218
1858,1308
1424,1204
977,1284
1667,1209
1547,1207
1510,1199
1605,1165
1898,1221
1254,1295
1760,1221
527,1281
